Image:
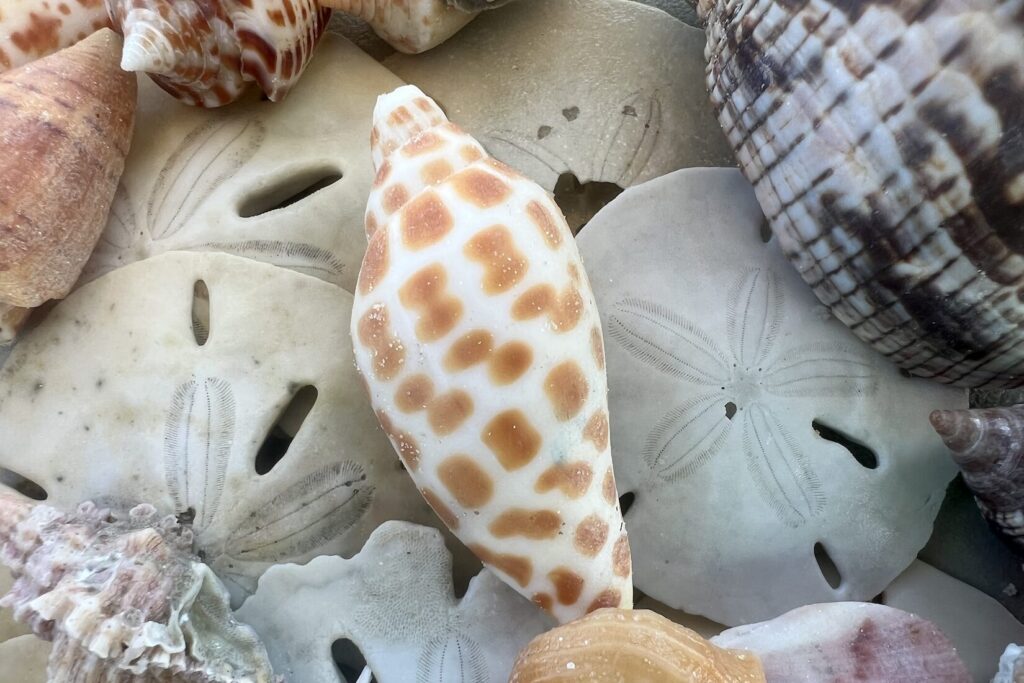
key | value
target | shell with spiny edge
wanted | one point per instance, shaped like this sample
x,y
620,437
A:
x,y
476,330
122,597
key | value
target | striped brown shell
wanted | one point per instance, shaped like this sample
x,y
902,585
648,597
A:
x,y
885,142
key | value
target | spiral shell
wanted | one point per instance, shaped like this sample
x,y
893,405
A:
x,y
205,53
410,26
885,142
988,446
122,597
30,29
614,645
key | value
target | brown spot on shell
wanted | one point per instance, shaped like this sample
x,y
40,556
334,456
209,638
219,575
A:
x,y
370,224
564,310
543,600
426,292
440,509
516,566
606,598
469,153
395,197
480,188
572,479
509,362
404,443
568,585
382,173
427,141
542,217
566,387
375,261
596,430
425,220
468,483
468,350
534,524
608,488
504,265
414,393
447,412
436,171
622,564
591,535
597,346
387,350
512,439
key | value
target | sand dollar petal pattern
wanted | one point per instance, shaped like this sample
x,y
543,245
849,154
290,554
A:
x,y
254,429
743,413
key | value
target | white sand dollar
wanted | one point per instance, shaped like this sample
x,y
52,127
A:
x,y
394,600
202,180
114,399
728,389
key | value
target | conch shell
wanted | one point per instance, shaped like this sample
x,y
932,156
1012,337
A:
x,y
205,53
410,26
476,331
884,143
66,131
640,646
30,29
122,598
988,447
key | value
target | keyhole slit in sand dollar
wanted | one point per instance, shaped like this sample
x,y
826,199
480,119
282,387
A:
x,y
285,429
350,662
626,501
580,201
289,190
201,312
860,452
827,565
22,484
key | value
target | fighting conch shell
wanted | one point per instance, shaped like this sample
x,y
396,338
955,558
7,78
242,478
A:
x,y
638,646
65,132
205,53
122,597
476,330
988,447
30,29
410,26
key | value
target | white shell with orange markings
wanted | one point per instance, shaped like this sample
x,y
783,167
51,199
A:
x,y
476,330
30,29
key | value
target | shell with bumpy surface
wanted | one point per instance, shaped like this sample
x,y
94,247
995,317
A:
x,y
885,142
122,597
988,446
205,53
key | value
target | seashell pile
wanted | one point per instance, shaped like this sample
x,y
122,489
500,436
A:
x,y
381,341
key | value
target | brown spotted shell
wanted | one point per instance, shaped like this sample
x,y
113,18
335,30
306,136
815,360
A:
x,y
885,143
988,446
613,645
205,52
30,29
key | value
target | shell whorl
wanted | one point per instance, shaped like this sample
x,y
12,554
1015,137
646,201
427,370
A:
x,y
885,143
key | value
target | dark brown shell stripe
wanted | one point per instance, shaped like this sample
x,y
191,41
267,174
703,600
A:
x,y
885,142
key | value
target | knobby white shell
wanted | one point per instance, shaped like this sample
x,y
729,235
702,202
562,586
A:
x,y
143,386
212,181
30,29
633,109
394,601
732,394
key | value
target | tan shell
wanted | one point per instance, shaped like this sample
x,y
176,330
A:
x,y
612,645
884,142
409,26
65,133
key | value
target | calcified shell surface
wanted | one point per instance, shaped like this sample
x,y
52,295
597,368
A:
x,y
476,330
613,645
885,142
122,596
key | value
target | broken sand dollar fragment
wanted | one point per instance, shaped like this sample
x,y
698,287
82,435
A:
x,y
635,107
769,458
284,183
394,602
195,383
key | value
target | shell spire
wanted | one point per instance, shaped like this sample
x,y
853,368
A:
x,y
988,447
122,596
476,330
410,26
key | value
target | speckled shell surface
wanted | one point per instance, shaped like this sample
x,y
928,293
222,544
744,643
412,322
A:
x,y
394,601
205,52
737,404
122,597
410,26
476,331
30,29
885,143
195,417
279,182
65,129
988,446
639,646
849,641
